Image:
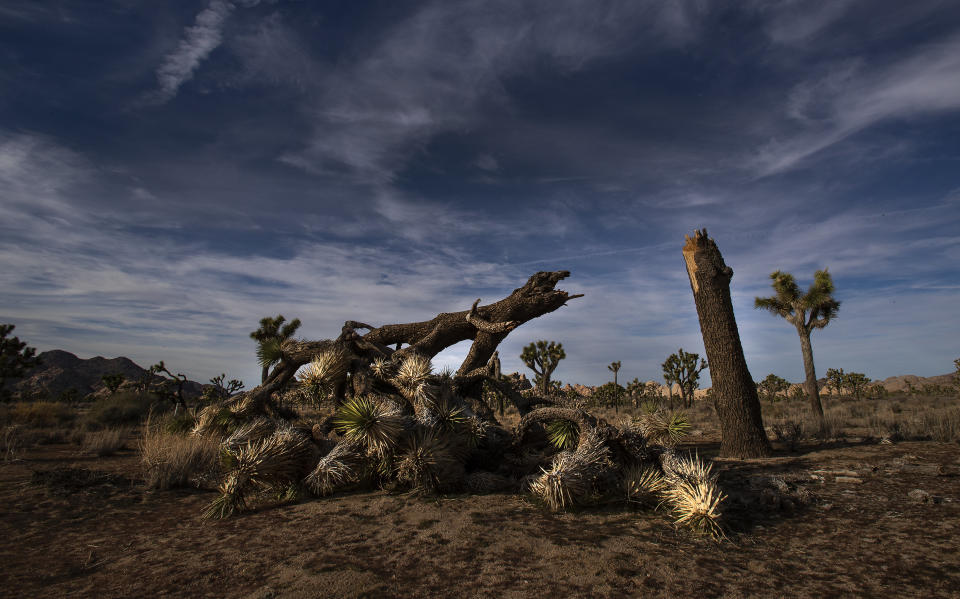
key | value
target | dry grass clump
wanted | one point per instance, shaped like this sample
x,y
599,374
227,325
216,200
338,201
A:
x,y
569,481
11,442
41,414
171,460
105,442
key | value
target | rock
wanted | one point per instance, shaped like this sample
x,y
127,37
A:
x,y
919,496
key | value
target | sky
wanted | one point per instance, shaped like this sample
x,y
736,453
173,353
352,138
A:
x,y
172,172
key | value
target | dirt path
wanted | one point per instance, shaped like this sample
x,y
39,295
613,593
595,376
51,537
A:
x,y
831,522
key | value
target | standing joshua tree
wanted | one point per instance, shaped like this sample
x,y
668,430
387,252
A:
x,y
614,367
270,337
542,357
811,310
734,392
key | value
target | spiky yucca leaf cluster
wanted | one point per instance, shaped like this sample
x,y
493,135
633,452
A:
x,y
643,484
376,425
427,462
337,469
696,504
252,431
569,480
443,415
692,493
666,428
383,369
275,461
413,376
319,378
563,434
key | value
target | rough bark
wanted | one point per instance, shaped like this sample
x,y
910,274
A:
x,y
486,325
810,383
735,394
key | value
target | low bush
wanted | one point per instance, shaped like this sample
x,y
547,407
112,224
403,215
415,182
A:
x,y
122,409
40,414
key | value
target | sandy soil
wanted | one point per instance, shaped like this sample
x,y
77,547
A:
x,y
826,521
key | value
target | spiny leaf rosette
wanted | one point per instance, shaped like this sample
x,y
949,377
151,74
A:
x,y
381,415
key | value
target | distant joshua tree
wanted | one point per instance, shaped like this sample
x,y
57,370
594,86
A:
x,y
682,368
614,367
808,311
835,379
542,357
270,337
772,386
856,383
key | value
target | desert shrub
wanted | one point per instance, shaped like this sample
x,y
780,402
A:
x,y
172,460
105,442
943,426
41,414
123,408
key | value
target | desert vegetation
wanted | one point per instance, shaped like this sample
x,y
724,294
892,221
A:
x,y
337,426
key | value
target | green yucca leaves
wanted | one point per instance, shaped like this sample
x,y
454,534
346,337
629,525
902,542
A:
x,y
374,424
563,434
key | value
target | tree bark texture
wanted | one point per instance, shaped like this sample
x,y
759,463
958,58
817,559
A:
x,y
735,394
810,384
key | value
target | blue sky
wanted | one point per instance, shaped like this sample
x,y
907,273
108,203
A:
x,y
172,172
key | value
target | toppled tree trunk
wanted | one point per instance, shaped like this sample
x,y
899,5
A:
x,y
486,325
735,394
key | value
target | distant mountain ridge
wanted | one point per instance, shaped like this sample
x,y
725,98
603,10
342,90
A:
x,y
60,371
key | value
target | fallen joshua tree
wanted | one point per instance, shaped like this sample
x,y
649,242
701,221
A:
x,y
399,425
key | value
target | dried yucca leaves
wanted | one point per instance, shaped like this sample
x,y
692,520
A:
x,y
275,461
339,468
427,462
569,480
322,375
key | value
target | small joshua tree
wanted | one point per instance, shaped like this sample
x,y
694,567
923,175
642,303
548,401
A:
x,y
543,357
15,358
805,311
835,379
614,367
220,391
682,368
772,386
270,337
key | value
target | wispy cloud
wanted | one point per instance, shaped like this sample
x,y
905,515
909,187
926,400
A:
x,y
851,97
433,71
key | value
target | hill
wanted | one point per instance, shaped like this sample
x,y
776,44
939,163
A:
x,y
60,371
